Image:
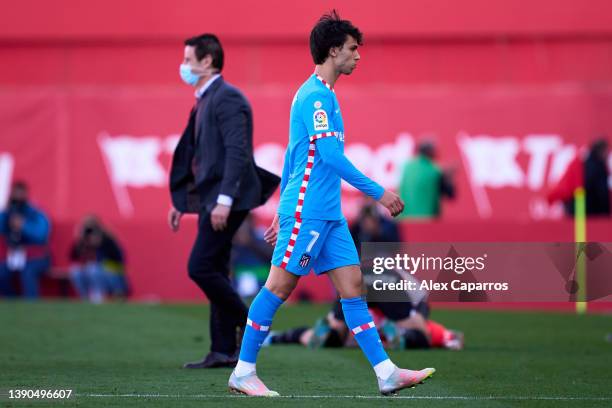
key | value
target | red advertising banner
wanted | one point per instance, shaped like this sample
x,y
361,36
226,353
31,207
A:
x,y
107,151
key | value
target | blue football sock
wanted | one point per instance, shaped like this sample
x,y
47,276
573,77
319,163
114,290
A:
x,y
359,321
261,312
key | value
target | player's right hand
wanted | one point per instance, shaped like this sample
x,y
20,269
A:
x,y
174,219
272,232
392,202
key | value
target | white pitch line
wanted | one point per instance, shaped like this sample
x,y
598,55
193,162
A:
x,y
367,397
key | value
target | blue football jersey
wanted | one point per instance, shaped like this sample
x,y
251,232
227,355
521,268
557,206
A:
x,y
311,188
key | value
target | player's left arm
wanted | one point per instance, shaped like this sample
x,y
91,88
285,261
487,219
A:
x,y
318,117
330,153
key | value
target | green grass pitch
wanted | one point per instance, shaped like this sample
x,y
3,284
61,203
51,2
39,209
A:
x,y
127,355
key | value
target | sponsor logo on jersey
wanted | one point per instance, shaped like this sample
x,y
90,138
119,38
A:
x,y
320,120
318,104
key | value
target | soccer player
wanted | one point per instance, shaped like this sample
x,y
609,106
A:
x,y
401,326
309,230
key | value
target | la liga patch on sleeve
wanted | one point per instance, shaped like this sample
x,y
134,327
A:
x,y
320,120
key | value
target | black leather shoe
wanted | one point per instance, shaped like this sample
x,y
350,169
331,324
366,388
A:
x,y
214,360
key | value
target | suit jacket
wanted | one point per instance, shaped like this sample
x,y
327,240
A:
x,y
215,155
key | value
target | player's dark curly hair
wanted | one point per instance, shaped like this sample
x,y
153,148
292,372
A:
x,y
331,31
207,44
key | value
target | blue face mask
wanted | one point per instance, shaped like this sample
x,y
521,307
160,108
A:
x,y
187,76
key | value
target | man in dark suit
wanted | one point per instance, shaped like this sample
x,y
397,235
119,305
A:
x,y
214,175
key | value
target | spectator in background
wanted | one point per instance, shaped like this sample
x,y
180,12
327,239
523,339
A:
x,y
24,231
596,179
401,326
591,173
250,259
372,226
423,184
97,269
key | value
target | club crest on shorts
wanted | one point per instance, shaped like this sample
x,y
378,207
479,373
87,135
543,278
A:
x,y
304,260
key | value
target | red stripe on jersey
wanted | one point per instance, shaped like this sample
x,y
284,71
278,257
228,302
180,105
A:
x,y
327,85
300,203
322,135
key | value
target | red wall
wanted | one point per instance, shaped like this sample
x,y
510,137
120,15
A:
x,y
91,103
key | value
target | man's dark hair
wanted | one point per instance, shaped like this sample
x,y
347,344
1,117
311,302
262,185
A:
x,y
368,211
329,32
207,44
598,148
427,148
20,185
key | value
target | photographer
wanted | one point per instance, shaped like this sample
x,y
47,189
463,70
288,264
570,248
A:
x,y
97,269
24,234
